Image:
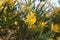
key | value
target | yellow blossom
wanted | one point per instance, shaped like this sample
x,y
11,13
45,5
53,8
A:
x,y
1,2
28,9
15,22
42,24
54,28
30,19
58,38
1,7
32,27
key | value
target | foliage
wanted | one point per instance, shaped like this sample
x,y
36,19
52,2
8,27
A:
x,y
22,21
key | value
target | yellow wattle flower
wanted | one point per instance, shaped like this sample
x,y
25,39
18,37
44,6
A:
x,y
32,26
58,38
1,7
28,9
42,24
16,23
54,28
1,2
30,19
